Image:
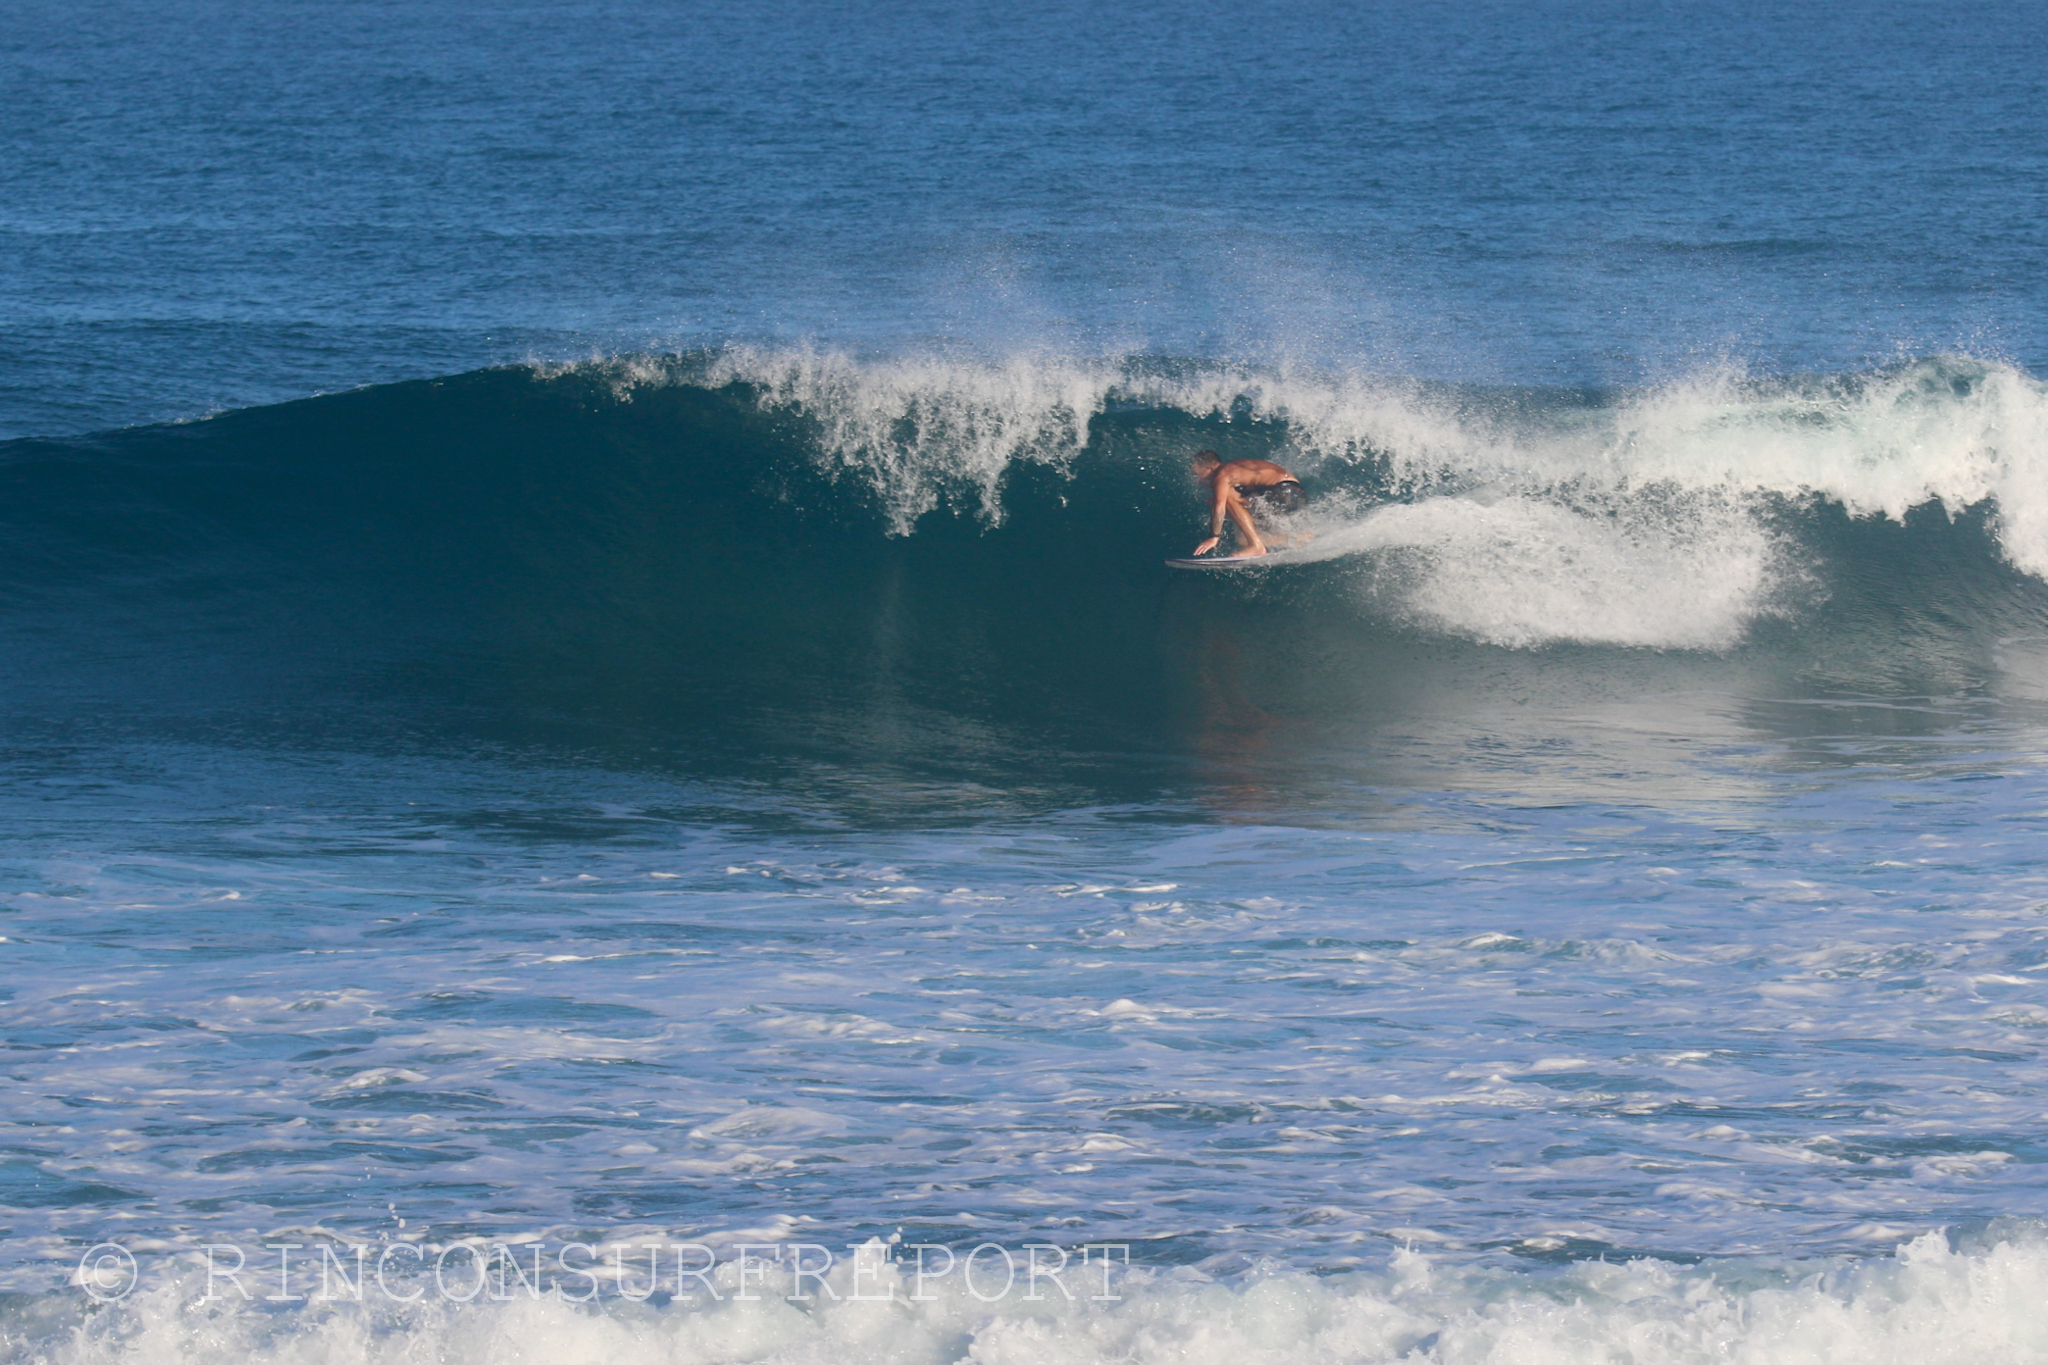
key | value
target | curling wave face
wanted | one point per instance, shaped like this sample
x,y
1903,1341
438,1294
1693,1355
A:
x,y
750,524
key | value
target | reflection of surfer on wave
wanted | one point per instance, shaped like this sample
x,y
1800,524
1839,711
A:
x,y
1237,484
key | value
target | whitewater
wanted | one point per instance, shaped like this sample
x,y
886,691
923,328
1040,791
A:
x,y
598,761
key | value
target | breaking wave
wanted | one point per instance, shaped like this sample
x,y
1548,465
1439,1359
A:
x,y
754,523
1652,519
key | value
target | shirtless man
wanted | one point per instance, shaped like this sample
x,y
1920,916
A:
x,y
1234,486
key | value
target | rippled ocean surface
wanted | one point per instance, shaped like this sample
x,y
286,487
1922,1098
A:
x,y
597,760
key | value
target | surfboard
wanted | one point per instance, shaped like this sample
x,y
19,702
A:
x,y
1227,562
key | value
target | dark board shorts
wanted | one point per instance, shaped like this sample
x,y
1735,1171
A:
x,y
1283,497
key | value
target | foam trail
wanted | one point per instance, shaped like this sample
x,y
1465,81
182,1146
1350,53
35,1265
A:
x,y
1926,1305
1522,572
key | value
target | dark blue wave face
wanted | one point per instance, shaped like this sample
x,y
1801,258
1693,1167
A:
x,y
215,204
686,572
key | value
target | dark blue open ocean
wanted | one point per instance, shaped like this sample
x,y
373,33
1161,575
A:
x,y
598,762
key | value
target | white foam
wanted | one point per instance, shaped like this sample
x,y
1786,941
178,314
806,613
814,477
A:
x,y
1521,571
1925,1305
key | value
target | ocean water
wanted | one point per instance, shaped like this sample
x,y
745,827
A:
x,y
597,761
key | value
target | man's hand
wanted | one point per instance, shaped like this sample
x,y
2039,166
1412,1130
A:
x,y
1205,547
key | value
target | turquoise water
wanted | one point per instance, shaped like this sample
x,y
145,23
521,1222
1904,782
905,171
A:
x,y
589,689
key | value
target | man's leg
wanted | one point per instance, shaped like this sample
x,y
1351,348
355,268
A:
x,y
1247,530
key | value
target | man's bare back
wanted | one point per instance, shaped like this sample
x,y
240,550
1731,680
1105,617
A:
x,y
1232,484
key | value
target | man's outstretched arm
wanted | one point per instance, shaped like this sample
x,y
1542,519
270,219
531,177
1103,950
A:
x,y
1218,510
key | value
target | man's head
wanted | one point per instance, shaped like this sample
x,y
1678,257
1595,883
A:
x,y
1205,463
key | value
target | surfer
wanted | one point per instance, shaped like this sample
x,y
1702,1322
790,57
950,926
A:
x,y
1237,484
